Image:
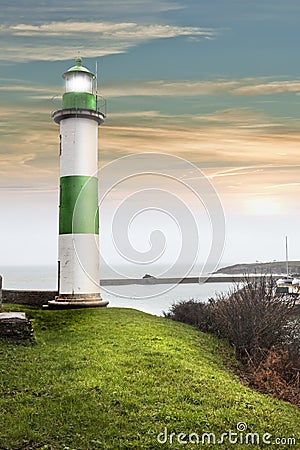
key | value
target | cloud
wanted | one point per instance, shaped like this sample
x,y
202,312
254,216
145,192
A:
x,y
236,120
57,40
240,162
36,91
123,31
78,10
241,150
282,185
29,145
169,88
274,87
238,86
173,88
135,114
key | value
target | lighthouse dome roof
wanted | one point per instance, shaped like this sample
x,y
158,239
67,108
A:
x,y
79,68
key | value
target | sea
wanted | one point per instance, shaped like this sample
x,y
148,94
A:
x,y
152,299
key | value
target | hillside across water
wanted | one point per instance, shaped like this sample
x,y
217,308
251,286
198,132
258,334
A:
x,y
275,267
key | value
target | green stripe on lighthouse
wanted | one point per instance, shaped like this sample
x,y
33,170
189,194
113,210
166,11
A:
x,y
79,100
78,210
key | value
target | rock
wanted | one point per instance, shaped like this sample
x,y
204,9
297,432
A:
x,y
15,326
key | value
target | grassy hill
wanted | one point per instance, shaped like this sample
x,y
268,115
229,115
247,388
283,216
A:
x,y
276,267
116,378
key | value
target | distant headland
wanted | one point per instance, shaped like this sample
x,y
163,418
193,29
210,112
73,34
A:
x,y
275,267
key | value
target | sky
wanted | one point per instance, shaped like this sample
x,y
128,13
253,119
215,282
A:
x,y
210,87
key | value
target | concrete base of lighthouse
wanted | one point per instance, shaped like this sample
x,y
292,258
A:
x,y
77,301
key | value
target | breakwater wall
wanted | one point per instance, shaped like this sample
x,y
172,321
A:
x,y
33,298
152,280
39,297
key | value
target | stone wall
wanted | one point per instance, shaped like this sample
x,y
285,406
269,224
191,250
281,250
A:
x,y
0,292
16,327
35,298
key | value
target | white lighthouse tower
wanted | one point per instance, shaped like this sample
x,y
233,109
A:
x,y
78,266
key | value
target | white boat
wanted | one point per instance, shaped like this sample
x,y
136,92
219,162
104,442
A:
x,y
287,285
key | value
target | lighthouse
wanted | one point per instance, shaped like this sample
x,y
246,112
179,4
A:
x,y
78,242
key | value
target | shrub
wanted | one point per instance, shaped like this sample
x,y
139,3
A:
x,y
278,375
193,313
261,328
251,318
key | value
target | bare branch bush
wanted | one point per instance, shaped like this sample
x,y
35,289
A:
x,y
261,326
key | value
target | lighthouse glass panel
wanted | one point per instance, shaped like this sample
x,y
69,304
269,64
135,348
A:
x,y
79,82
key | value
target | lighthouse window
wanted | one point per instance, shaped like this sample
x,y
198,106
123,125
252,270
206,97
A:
x,y
60,150
79,82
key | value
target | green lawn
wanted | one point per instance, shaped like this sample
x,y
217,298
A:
x,y
116,378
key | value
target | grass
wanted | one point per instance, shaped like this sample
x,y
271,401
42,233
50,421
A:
x,y
115,378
